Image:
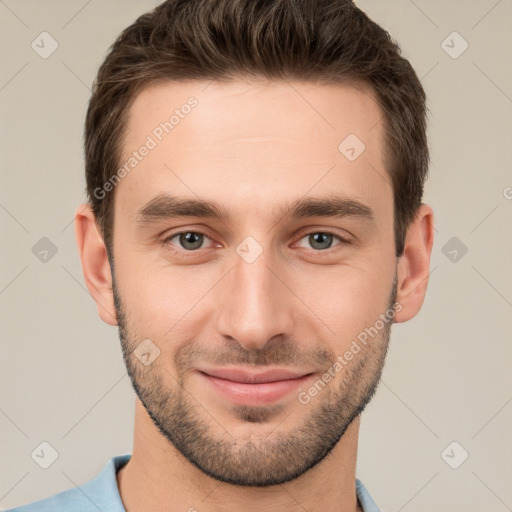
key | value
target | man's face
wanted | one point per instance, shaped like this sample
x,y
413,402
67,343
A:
x,y
266,287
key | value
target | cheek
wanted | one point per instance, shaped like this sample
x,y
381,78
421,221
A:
x,y
161,298
175,302
346,299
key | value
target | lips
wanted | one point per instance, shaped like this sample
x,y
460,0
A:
x,y
243,387
239,375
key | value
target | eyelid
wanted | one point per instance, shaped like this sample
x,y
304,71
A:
x,y
342,240
169,237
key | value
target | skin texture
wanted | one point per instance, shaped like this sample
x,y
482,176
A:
x,y
252,147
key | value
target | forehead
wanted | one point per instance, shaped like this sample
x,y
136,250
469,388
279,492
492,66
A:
x,y
305,113
259,140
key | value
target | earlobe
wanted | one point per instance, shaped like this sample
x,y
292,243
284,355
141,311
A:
x,y
95,264
414,264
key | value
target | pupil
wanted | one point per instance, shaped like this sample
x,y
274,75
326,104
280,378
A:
x,y
188,238
321,238
195,240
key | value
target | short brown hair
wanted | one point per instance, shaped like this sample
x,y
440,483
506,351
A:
x,y
321,41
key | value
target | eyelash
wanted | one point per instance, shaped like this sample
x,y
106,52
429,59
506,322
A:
x,y
185,253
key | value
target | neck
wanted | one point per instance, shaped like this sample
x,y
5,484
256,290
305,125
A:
x,y
158,478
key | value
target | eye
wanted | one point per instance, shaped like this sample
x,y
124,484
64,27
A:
x,y
321,240
188,240
192,241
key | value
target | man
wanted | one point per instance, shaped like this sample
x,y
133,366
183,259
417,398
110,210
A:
x,y
254,227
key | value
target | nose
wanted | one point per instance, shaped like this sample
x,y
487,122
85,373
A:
x,y
256,305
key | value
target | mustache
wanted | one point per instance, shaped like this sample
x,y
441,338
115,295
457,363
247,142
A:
x,y
275,352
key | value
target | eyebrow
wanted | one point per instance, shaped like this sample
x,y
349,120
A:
x,y
165,207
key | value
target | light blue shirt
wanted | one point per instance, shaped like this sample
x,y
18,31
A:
x,y
101,494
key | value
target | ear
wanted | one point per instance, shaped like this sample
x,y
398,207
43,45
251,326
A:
x,y
414,265
95,264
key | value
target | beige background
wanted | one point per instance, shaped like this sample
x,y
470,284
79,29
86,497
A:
x,y
448,376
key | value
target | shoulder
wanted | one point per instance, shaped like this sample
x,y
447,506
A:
x,y
100,493
71,500
364,498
